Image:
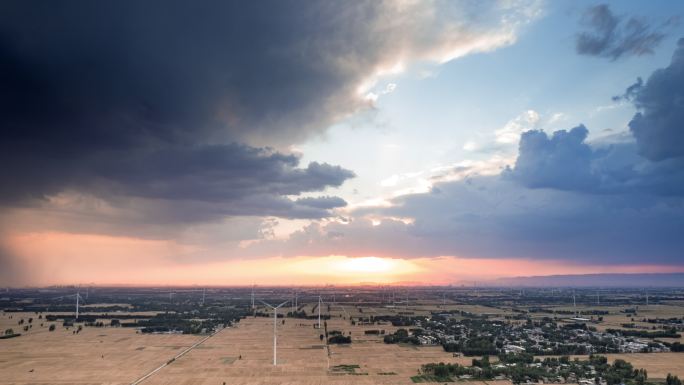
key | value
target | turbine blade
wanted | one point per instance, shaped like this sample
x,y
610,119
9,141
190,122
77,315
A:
x,y
267,304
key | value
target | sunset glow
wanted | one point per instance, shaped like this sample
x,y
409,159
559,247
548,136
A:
x,y
61,258
384,142
367,265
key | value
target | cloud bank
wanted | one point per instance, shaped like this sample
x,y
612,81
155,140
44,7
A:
x,y
658,126
612,36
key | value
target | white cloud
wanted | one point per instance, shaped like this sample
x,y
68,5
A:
x,y
510,133
470,146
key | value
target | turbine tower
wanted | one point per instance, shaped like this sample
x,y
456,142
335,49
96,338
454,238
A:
x,y
252,297
77,298
275,325
319,312
574,302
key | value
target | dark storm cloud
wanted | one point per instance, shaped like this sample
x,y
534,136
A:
x,y
216,173
209,180
612,36
201,172
135,99
127,72
173,100
659,125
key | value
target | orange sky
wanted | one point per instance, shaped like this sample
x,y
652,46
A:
x,y
64,258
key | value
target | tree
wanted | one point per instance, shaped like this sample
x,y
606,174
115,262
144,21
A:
x,y
339,339
677,347
52,327
672,380
9,332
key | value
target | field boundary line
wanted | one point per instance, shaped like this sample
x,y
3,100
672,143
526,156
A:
x,y
177,356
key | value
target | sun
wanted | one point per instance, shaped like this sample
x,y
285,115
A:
x,y
367,265
344,269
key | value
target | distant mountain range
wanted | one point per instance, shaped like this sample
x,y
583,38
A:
x,y
597,280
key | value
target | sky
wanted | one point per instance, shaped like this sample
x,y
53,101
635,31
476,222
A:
x,y
323,142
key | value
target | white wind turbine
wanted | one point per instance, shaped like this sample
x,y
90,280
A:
x,y
319,312
275,324
78,299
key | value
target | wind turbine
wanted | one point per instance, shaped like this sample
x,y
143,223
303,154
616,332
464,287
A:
x,y
574,302
78,296
275,324
252,297
319,312
78,299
